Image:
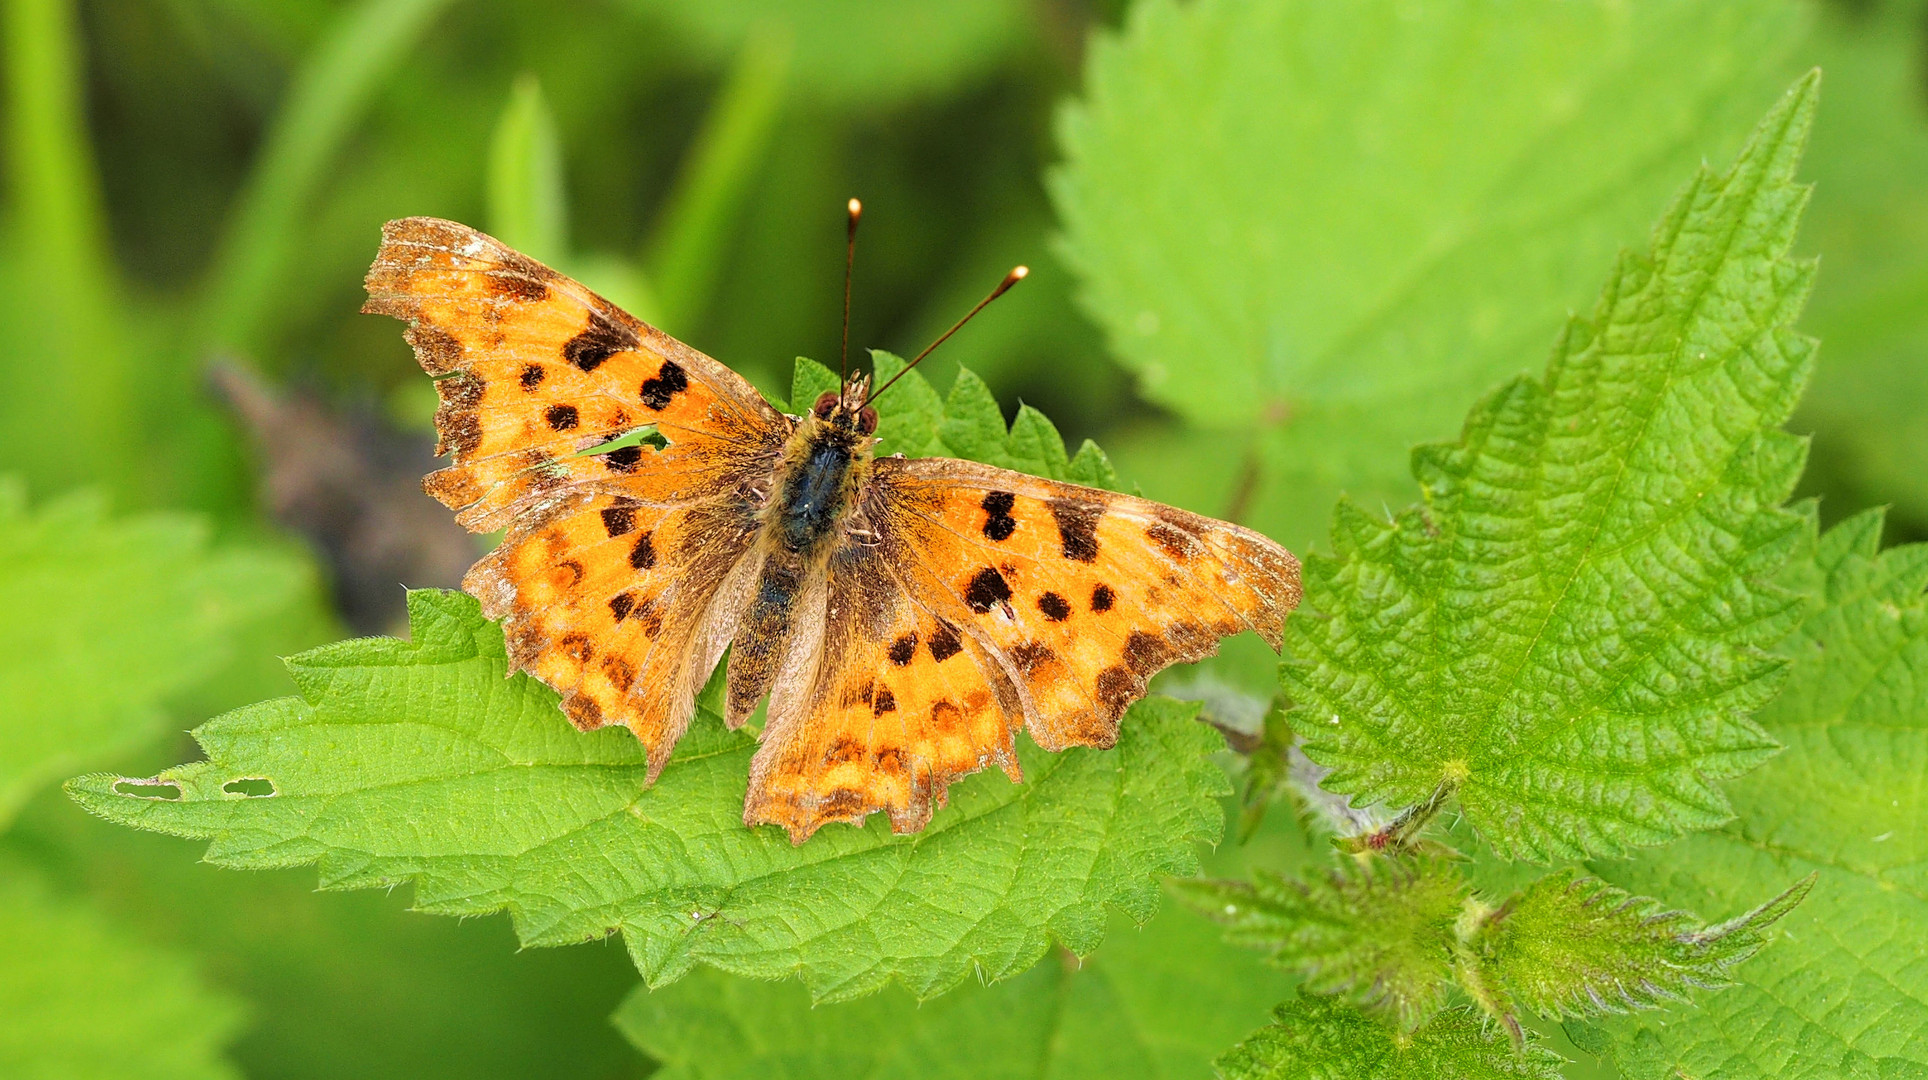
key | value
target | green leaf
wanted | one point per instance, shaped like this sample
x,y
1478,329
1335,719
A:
x,y
1379,932
1843,992
1321,1039
1156,1002
1569,632
528,208
1329,225
102,621
419,762
858,52
84,999
1571,945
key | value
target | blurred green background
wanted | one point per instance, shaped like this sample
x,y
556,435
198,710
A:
x,y
193,189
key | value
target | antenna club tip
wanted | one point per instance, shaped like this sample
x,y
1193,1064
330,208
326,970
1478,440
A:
x,y
1019,273
856,208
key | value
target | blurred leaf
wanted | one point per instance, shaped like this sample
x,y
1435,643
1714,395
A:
x,y
1320,1039
1378,932
687,247
323,105
81,999
103,620
1869,221
1156,1002
1333,223
419,761
1568,633
528,208
858,53
1844,992
342,985
69,420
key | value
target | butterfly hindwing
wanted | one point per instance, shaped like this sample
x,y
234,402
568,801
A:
x,y
1005,600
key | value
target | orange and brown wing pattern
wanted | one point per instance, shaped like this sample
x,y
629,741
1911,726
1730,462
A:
x,y
618,581
991,600
1083,594
534,369
903,703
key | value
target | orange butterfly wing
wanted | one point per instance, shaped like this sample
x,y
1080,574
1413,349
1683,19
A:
x,y
621,570
987,599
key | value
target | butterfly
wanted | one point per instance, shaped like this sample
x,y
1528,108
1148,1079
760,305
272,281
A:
x,y
904,617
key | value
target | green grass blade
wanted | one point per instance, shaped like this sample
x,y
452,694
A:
x,y
528,207
685,255
328,96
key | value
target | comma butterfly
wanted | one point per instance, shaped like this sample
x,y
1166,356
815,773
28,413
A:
x,y
905,617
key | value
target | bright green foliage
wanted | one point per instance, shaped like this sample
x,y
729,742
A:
x,y
1844,991
859,52
1378,932
1870,223
102,621
1157,1003
1328,225
916,422
1321,1039
1268,772
1574,946
1569,631
528,207
419,761
82,1000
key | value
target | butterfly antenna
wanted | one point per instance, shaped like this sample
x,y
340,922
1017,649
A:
x,y
1017,274
849,263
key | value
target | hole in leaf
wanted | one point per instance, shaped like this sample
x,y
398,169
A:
x,y
254,787
156,790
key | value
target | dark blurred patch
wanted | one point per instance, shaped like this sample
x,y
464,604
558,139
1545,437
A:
x,y
350,483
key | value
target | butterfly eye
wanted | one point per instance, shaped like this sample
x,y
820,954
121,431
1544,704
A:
x,y
867,421
826,403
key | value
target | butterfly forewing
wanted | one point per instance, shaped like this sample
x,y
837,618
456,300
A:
x,y
609,579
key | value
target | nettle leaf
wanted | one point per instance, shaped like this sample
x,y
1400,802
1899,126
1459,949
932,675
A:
x,y
1322,1039
1843,992
1571,945
1379,932
102,620
1156,1002
81,998
1324,226
418,761
1569,632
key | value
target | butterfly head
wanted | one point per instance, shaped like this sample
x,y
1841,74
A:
x,y
845,410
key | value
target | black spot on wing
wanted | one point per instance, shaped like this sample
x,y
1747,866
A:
x,y
944,642
1077,528
903,649
1052,605
1102,598
532,376
619,520
624,460
998,522
986,590
884,701
659,389
600,341
643,555
561,417
621,604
